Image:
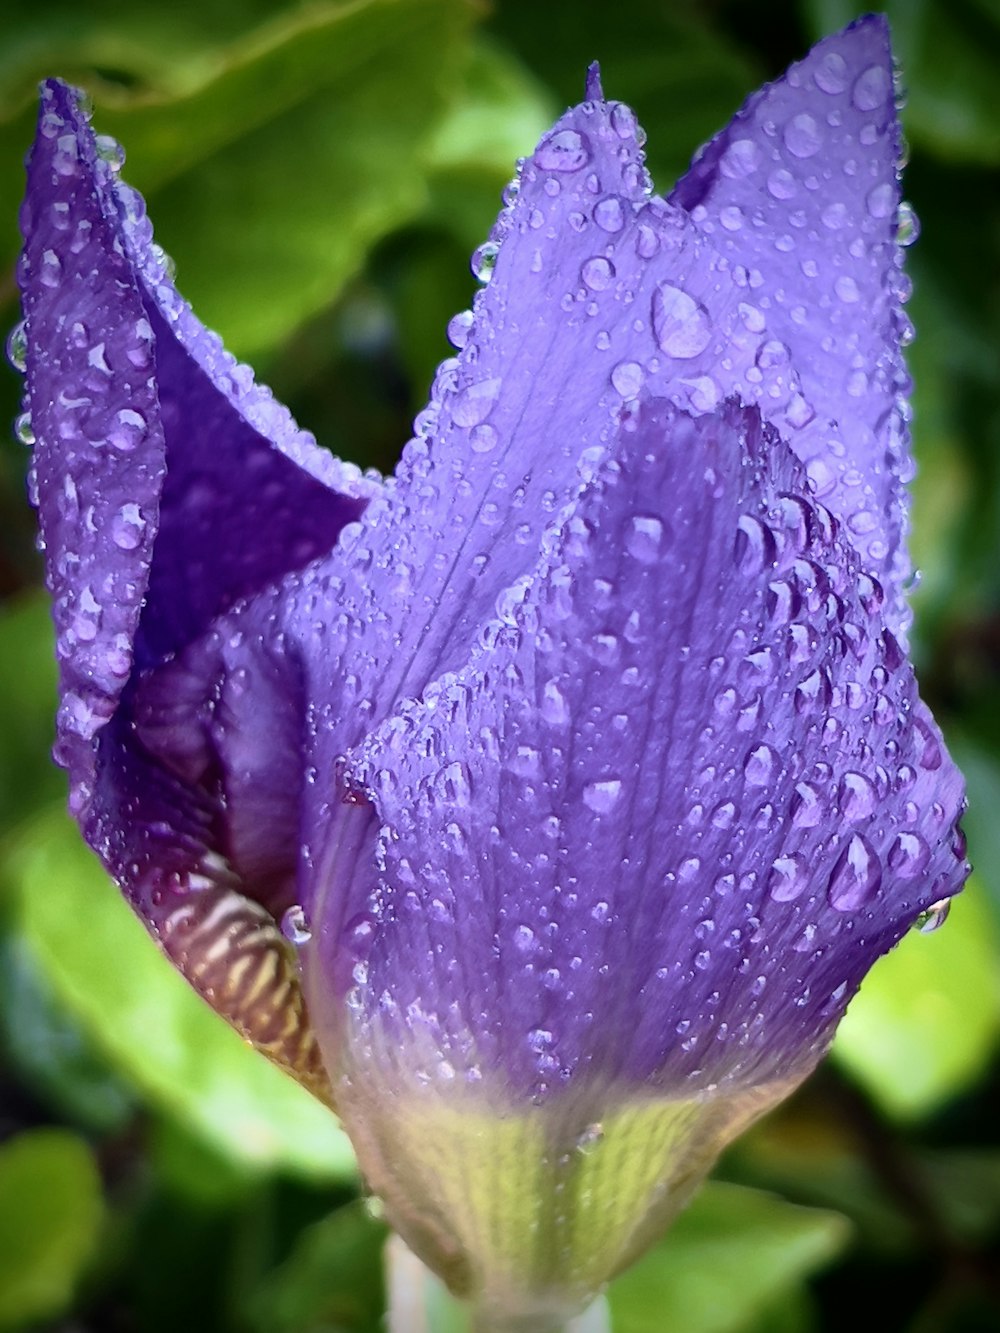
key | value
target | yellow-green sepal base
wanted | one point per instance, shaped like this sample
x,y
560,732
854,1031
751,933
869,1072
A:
x,y
419,1302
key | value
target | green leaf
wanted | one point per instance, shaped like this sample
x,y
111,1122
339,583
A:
x,y
332,1280
280,156
927,1018
50,1215
28,688
683,78
177,1050
724,1263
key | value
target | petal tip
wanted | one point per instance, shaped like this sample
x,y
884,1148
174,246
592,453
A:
x,y
593,91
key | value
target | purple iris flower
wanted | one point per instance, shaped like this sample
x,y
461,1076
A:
x,y
543,806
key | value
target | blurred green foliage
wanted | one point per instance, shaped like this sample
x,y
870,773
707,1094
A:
x,y
320,173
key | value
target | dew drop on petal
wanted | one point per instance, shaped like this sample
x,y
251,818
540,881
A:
x,y
856,875
294,926
831,73
934,917
871,88
609,214
17,347
760,766
628,378
803,136
682,326
597,273
644,538
474,403
602,797
566,150
857,796
787,878
908,855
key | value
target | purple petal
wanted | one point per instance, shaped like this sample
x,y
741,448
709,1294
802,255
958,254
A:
x,y
168,484
665,821
802,190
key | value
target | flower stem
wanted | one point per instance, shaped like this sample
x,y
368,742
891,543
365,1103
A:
x,y
420,1303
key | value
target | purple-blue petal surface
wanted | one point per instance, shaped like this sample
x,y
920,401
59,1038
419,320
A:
x,y
676,805
169,485
802,190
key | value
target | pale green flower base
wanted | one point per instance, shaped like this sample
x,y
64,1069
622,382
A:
x,y
419,1302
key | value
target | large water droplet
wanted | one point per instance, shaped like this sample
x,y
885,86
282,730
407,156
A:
x,y
484,261
294,926
609,214
628,378
831,73
934,917
597,273
803,136
565,150
787,878
908,855
871,88
856,875
907,224
857,797
127,527
644,538
17,347
760,766
474,403
602,797
681,325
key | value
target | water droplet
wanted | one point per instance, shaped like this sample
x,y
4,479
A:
x,y
731,217
882,200
24,430
907,224
781,184
482,439
17,347
644,538
109,150
554,708
831,73
803,136
51,269
474,403
628,378
754,548
787,878
857,796
590,1138
597,273
808,807
847,289
760,766
484,260
681,325
856,875
358,934
128,431
908,855
127,527
609,214
459,327
740,159
934,917
871,88
294,926
602,797
565,150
